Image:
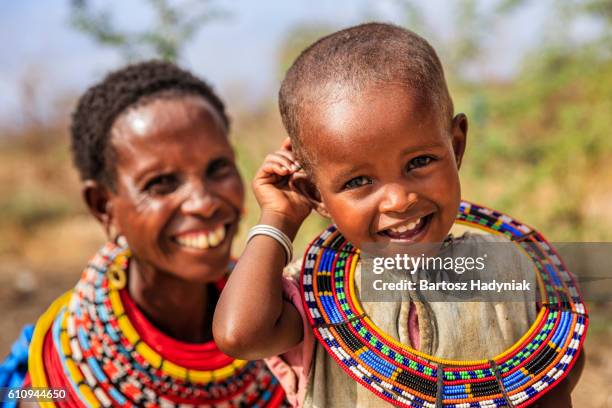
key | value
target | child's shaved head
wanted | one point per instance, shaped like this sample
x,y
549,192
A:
x,y
353,59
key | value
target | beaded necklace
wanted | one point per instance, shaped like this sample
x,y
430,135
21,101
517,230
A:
x,y
109,355
406,377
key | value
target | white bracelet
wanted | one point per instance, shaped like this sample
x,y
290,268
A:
x,y
276,234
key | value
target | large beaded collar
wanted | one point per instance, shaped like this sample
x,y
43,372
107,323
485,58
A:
x,y
406,377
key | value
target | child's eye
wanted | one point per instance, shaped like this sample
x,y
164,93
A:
x,y
220,168
357,182
162,184
420,161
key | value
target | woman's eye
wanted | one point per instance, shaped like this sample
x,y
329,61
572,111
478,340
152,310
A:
x,y
163,184
220,168
420,161
357,182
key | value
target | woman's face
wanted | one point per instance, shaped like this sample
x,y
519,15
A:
x,y
178,195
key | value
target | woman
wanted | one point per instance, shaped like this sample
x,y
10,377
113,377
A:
x,y
150,143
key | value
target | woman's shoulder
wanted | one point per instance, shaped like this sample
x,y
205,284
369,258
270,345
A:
x,y
15,366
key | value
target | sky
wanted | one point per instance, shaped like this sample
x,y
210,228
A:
x,y
238,54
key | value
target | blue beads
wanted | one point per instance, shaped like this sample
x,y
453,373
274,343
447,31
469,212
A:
x,y
387,364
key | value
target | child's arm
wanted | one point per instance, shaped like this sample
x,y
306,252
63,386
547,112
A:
x,y
251,319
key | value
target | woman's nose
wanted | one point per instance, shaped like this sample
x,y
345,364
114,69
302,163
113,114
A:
x,y
200,201
397,198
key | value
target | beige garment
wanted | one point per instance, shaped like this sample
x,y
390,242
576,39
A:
x,y
458,330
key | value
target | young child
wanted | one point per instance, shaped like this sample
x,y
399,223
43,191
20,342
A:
x,y
374,146
151,145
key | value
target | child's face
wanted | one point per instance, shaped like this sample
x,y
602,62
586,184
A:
x,y
178,195
385,165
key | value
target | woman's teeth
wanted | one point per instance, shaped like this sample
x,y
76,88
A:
x,y
202,239
406,227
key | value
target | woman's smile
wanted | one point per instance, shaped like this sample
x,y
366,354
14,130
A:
x,y
201,239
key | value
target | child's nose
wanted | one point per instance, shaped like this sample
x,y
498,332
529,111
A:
x,y
199,201
397,198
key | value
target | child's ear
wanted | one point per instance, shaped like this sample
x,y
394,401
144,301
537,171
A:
x,y
98,199
304,185
459,134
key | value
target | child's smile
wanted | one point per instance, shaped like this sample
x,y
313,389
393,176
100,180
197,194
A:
x,y
386,168
407,230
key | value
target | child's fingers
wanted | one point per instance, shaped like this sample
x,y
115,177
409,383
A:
x,y
272,173
294,165
274,169
300,173
283,160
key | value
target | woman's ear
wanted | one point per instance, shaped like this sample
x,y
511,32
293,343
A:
x,y
302,183
459,135
98,199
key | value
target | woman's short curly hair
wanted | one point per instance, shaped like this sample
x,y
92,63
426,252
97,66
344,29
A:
x,y
103,103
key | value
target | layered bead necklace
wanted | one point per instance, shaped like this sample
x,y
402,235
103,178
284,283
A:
x,y
110,355
404,376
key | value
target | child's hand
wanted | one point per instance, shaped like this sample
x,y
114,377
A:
x,y
256,281
273,187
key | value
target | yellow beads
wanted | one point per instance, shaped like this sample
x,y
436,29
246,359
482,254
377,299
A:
x,y
155,359
174,370
128,330
117,277
148,354
36,366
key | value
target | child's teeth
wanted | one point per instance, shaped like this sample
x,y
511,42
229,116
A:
x,y
409,227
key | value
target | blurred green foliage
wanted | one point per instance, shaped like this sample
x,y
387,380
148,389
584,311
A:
x,y
539,144
173,26
542,144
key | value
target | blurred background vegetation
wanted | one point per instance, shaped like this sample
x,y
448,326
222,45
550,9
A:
x,y
539,145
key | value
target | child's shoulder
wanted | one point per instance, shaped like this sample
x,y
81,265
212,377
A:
x,y
293,270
